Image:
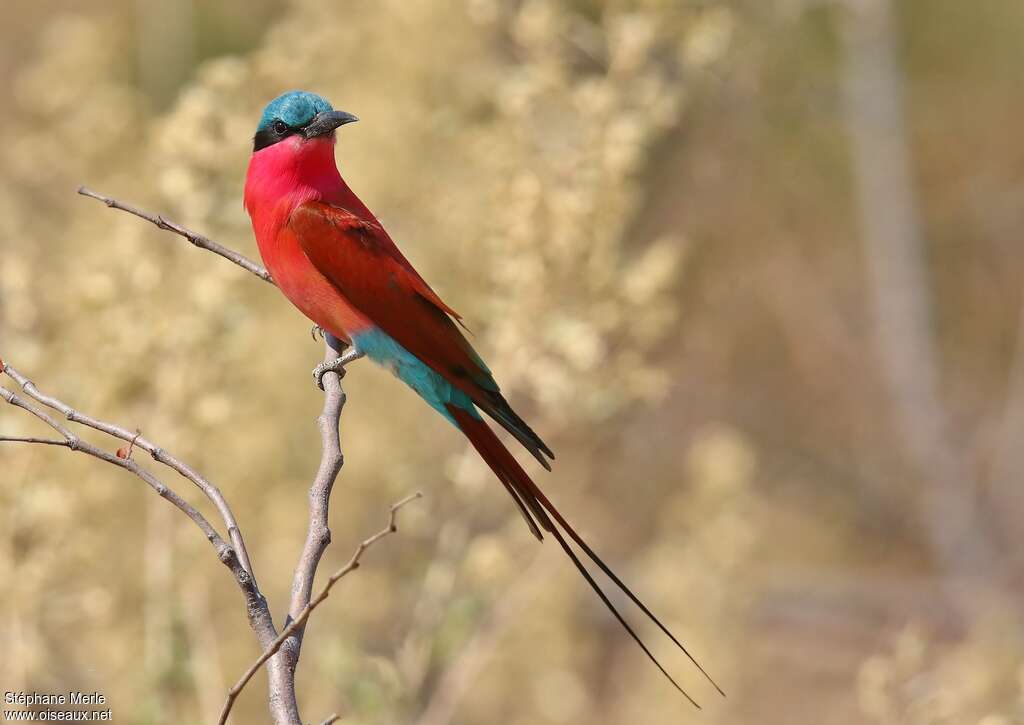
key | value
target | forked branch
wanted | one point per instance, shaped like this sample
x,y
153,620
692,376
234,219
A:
x,y
300,621
225,553
137,440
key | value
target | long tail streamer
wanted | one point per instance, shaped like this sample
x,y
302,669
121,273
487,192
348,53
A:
x,y
539,512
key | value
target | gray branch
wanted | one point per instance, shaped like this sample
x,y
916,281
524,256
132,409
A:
x,y
296,626
256,606
197,239
159,455
33,439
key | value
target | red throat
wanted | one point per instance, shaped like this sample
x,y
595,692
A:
x,y
281,178
285,175
289,173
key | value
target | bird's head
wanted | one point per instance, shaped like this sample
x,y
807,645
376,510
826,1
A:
x,y
300,115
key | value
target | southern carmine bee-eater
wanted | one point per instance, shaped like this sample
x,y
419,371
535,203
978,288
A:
x,y
333,260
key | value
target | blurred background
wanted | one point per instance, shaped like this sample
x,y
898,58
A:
x,y
753,269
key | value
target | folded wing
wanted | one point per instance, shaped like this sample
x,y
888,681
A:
x,y
362,261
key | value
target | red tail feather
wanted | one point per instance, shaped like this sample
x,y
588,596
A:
x,y
539,511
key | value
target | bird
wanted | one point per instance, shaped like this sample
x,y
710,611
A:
x,y
335,262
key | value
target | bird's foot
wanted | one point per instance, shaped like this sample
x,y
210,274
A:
x,y
315,331
335,366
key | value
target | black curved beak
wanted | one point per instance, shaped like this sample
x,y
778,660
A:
x,y
326,122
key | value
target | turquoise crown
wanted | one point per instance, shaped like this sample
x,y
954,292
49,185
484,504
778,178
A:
x,y
296,108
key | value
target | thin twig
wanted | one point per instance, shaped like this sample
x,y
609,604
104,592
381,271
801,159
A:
x,y
195,238
330,719
257,610
225,553
30,439
134,438
299,621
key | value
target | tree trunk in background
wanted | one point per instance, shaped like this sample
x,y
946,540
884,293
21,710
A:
x,y
167,45
1005,486
898,292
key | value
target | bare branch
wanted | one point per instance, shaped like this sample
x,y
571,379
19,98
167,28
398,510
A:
x,y
225,553
195,238
257,610
332,718
352,564
29,439
159,455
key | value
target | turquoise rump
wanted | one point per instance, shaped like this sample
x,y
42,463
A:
x,y
434,389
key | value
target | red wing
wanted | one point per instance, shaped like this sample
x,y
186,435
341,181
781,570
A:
x,y
360,259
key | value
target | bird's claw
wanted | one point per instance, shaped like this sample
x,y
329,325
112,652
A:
x,y
325,367
316,330
335,366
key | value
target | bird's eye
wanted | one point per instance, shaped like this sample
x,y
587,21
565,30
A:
x,y
280,127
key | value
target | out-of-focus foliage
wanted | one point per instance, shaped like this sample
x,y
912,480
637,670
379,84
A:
x,y
643,209
981,680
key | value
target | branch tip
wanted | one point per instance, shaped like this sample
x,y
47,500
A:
x,y
198,240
